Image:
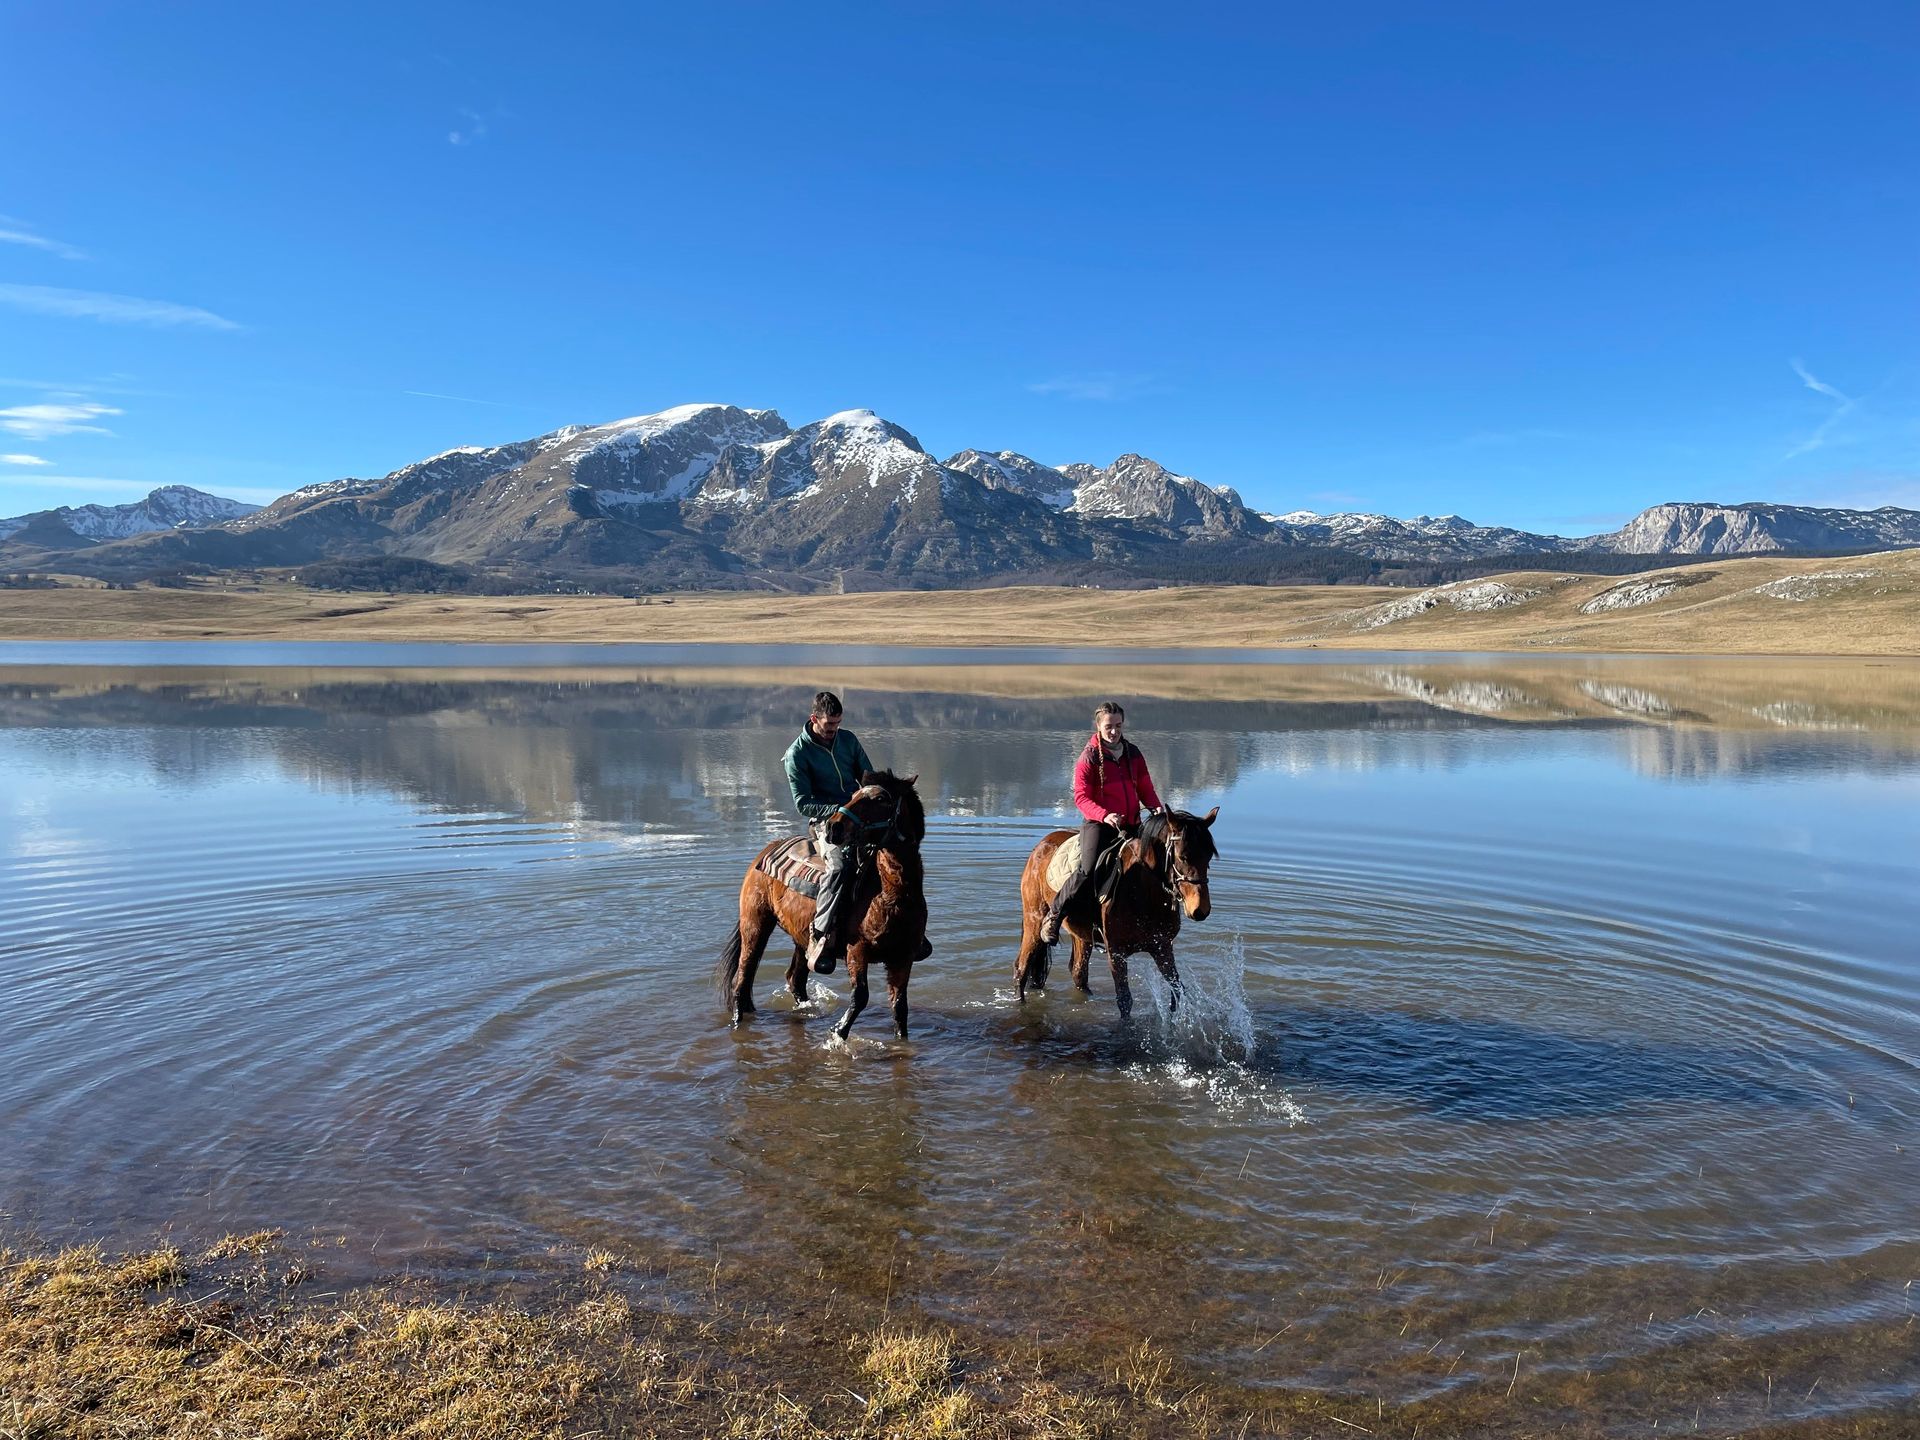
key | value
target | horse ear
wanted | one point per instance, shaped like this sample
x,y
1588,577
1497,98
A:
x,y
1208,818
913,779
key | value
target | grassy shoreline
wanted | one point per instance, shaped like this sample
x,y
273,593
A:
x,y
248,1337
1861,605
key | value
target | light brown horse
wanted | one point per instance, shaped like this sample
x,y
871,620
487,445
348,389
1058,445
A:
x,y
1163,871
887,910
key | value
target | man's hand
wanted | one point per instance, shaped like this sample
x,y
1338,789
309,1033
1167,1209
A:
x,y
1111,818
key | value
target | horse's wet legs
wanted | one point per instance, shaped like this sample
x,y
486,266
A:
x,y
1082,952
1163,957
1122,991
857,972
755,927
1030,965
797,975
897,977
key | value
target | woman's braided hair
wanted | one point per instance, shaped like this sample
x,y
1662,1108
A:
x,y
1100,712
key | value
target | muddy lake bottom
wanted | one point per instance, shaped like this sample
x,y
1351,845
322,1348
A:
x,y
1553,1039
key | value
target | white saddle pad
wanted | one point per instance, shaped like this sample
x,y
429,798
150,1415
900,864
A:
x,y
1064,859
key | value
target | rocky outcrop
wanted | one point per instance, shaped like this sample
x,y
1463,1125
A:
x,y
1710,529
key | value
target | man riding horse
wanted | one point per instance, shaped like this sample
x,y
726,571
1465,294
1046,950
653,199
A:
x,y
824,765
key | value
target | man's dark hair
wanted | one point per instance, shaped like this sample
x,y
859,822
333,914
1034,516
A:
x,y
826,704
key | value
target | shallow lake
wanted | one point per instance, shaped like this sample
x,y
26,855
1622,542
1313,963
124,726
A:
x,y
1558,1013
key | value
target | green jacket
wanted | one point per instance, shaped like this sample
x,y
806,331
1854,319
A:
x,y
822,778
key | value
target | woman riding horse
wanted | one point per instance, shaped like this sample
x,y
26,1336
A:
x,y
1161,872
1110,786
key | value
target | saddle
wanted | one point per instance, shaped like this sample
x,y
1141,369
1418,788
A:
x,y
794,865
1105,870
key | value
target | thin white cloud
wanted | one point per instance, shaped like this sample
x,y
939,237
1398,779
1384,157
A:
x,y
1100,385
23,460
44,421
113,309
1843,406
18,232
463,399
473,131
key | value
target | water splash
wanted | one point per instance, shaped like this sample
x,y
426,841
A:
x,y
1208,1044
1213,1025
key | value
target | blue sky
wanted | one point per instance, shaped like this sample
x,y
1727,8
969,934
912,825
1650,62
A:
x,y
1538,265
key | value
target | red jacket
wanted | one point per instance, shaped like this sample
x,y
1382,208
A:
x,y
1118,786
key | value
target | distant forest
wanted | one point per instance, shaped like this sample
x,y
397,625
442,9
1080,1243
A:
x,y
1225,562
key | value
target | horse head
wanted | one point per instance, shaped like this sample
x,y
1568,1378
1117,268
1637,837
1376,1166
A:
x,y
888,809
1183,845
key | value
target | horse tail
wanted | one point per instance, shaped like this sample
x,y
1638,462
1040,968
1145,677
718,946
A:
x,y
729,962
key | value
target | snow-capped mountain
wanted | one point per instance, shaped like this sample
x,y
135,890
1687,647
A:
x,y
1133,488
698,491
1424,537
715,494
1136,488
171,507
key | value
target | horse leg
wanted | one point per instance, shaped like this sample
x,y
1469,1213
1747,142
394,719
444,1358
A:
x,y
1031,963
1122,991
857,972
897,977
1077,963
797,975
1162,952
756,924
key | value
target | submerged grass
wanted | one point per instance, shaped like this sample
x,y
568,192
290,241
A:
x,y
231,1344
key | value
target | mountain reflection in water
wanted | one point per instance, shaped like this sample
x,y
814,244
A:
x,y
661,747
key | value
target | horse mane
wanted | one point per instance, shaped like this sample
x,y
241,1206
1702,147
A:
x,y
1157,831
913,815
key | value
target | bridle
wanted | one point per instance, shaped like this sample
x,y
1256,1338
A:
x,y
889,827
1176,877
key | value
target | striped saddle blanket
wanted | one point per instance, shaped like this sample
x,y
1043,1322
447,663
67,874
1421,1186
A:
x,y
794,865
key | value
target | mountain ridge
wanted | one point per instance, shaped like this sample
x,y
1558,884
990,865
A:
x,y
716,494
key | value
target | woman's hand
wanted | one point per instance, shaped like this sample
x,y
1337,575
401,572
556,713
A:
x,y
1111,818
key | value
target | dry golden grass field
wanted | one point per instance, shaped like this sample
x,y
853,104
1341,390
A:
x,y
1858,605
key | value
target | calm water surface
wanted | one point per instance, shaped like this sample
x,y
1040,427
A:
x,y
1562,1010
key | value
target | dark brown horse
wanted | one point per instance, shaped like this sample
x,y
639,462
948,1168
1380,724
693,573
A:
x,y
887,910
1163,871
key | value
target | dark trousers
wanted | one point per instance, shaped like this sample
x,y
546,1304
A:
x,y
1095,836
